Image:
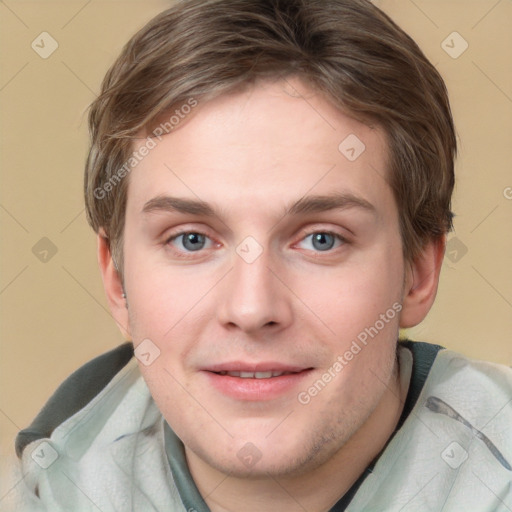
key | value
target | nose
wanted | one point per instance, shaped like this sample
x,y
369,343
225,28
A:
x,y
253,297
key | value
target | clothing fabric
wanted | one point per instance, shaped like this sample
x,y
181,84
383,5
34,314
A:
x,y
100,443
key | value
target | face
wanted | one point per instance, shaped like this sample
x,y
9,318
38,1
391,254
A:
x,y
263,260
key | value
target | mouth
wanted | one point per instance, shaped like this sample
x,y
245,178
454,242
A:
x,y
255,375
267,382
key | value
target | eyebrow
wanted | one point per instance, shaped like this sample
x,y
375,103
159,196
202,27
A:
x,y
305,205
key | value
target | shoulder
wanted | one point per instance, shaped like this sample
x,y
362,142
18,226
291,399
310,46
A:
x,y
100,437
456,441
469,376
443,371
75,393
479,389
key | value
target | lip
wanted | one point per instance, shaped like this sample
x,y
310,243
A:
x,y
241,366
252,389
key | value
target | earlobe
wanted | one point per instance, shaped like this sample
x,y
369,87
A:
x,y
113,285
421,282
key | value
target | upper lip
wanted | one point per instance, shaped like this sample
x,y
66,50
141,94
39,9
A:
x,y
240,366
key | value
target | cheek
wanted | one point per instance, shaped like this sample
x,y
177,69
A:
x,y
353,297
163,299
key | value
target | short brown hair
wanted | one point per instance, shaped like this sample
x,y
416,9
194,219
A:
x,y
348,50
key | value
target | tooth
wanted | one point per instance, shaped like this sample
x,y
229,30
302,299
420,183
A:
x,y
263,375
255,375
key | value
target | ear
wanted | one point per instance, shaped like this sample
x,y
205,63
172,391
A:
x,y
421,280
113,285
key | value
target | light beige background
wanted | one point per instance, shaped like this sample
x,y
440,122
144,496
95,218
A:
x,y
54,315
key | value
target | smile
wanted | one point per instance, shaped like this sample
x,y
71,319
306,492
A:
x,y
257,385
255,375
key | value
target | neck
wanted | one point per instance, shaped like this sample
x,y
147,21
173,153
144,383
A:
x,y
317,490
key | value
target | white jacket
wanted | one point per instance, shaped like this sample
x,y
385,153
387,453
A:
x,y
453,452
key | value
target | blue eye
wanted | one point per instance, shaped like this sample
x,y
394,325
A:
x,y
191,241
324,241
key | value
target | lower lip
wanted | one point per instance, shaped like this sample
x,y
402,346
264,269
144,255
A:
x,y
256,389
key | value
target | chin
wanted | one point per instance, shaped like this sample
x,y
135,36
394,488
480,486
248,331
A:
x,y
266,457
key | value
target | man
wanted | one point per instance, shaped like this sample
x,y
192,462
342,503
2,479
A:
x,y
270,182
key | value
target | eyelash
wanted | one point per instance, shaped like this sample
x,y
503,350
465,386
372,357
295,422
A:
x,y
343,241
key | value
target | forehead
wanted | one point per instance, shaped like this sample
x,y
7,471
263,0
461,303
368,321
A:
x,y
272,143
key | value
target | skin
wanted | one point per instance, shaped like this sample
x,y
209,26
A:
x,y
250,155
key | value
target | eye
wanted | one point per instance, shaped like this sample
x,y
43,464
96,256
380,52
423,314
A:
x,y
323,241
190,241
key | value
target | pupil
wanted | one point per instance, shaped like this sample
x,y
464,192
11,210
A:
x,y
325,239
193,241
